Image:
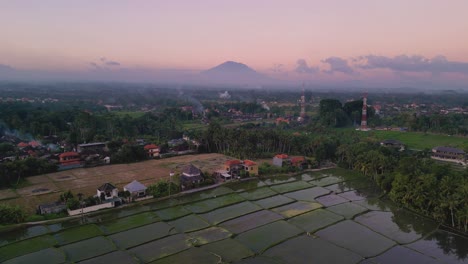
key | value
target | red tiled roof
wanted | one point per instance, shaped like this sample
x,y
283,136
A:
x,y
22,145
34,144
69,154
282,156
232,162
297,159
151,146
249,163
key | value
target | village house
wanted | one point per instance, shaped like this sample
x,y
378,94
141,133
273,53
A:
x,y
191,176
152,150
282,160
251,167
107,191
51,208
233,167
92,147
136,189
449,154
69,158
299,162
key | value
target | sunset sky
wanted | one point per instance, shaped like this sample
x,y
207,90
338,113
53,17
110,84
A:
x,y
302,39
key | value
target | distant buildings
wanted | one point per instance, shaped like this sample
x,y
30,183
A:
x,y
282,160
449,154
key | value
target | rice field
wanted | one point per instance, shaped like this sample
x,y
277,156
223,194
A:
x,y
320,216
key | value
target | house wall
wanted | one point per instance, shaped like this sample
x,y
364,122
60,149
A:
x,y
90,209
277,162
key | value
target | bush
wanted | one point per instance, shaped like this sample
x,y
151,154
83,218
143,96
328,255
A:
x,y
161,189
11,214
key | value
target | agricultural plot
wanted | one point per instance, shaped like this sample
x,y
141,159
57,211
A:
x,y
236,251
331,199
399,254
129,222
317,219
261,238
229,212
189,256
279,180
161,248
49,255
297,208
298,249
429,246
290,187
141,235
214,203
172,213
326,181
339,187
88,248
21,234
274,201
308,194
208,235
194,197
382,223
246,185
257,194
249,223
116,257
26,246
77,233
347,210
189,223
356,238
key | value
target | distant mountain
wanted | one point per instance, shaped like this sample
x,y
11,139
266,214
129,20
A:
x,y
231,72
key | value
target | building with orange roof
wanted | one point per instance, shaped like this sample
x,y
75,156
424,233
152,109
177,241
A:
x,y
280,160
152,150
251,167
22,145
69,158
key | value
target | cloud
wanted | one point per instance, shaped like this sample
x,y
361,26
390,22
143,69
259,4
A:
x,y
302,67
337,65
277,68
415,63
103,62
112,63
5,68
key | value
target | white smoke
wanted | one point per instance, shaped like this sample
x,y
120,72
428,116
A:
x,y
225,95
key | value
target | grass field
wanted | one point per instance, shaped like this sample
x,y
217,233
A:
x,y
87,180
420,141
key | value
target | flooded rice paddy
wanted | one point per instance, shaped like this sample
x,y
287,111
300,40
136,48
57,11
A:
x,y
320,217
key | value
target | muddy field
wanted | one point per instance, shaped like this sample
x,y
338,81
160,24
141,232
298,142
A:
x,y
48,187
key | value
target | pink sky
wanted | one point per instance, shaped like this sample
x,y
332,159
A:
x,y
195,35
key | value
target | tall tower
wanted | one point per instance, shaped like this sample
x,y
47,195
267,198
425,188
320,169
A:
x,y
303,103
302,115
364,113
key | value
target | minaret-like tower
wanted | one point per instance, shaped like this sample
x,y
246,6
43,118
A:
x,y
364,113
303,114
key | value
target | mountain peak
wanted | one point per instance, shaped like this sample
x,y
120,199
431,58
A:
x,y
231,66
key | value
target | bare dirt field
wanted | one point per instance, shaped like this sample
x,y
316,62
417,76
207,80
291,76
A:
x,y
48,187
